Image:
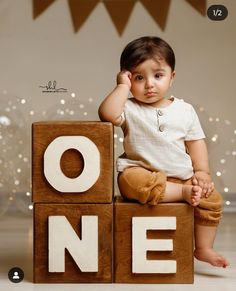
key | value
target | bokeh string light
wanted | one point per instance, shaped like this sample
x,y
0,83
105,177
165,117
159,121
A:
x,y
16,117
14,158
221,141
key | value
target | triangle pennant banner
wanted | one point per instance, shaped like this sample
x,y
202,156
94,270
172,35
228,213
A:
x,y
158,10
199,5
40,6
80,11
119,12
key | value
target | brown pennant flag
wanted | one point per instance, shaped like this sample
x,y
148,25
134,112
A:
x,y
158,10
39,6
199,5
119,12
80,10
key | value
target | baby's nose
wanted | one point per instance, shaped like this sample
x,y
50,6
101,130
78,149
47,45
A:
x,y
149,83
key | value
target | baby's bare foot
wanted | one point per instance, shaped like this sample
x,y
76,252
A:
x,y
192,194
212,257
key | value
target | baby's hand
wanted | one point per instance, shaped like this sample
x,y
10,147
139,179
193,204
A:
x,y
124,77
203,180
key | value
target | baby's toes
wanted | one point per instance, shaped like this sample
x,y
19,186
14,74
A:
x,y
197,191
196,195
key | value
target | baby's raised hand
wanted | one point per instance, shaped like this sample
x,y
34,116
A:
x,y
203,180
124,77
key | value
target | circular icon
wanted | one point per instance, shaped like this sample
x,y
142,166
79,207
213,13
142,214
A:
x,y
16,275
217,12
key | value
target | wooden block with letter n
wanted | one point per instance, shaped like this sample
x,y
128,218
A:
x,y
73,243
153,244
72,162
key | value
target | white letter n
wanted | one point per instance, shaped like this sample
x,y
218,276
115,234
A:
x,y
62,236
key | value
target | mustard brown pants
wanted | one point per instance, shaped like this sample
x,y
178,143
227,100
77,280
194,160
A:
x,y
144,186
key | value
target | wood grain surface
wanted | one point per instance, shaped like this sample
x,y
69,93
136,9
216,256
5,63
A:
x,y
73,213
101,133
182,242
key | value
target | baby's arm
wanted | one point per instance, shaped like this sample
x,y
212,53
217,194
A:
x,y
113,105
197,150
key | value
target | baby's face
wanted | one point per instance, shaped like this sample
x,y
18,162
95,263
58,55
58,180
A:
x,y
151,80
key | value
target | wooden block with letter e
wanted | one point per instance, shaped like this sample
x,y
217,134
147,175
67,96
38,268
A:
x,y
153,244
73,243
72,162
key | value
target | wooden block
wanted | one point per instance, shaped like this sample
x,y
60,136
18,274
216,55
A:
x,y
153,244
72,162
73,243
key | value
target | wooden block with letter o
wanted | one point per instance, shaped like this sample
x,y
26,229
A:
x,y
153,244
72,162
73,243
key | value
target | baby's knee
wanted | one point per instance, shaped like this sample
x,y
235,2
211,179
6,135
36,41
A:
x,y
142,185
209,210
214,202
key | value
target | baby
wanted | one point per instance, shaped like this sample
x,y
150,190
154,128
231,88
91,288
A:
x,y
165,158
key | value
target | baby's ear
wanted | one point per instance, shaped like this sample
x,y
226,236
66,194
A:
x,y
172,78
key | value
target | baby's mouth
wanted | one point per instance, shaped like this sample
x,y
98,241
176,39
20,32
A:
x,y
150,94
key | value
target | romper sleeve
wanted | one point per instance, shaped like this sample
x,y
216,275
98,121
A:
x,y
122,119
194,131
123,115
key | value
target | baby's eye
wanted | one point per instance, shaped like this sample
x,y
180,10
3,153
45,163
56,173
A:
x,y
138,77
158,76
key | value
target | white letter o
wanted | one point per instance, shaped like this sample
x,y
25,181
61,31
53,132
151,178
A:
x,y
52,168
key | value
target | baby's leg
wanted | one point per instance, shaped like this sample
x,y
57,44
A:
x,y
207,216
137,183
204,240
142,185
177,192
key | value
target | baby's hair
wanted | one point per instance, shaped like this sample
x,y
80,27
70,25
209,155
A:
x,y
145,48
